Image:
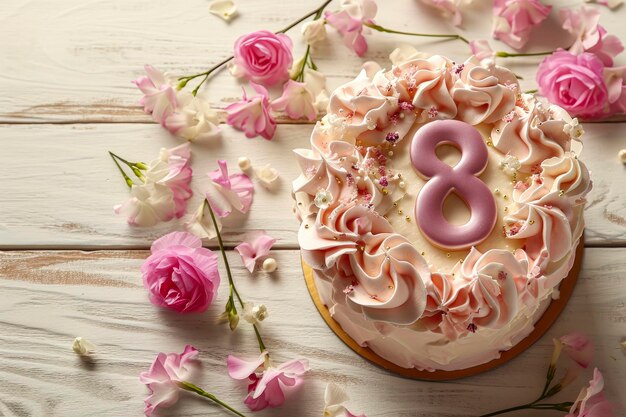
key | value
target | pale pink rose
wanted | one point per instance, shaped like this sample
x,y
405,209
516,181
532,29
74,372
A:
x,y
449,8
348,21
267,382
514,20
263,57
590,36
227,192
252,115
180,274
159,96
255,247
578,347
575,83
297,101
163,377
591,401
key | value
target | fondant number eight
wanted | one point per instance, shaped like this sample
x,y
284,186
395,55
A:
x,y
444,179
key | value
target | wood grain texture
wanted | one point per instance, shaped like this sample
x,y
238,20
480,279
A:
x,y
60,184
68,61
98,295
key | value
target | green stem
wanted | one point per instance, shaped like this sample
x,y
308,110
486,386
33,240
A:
x,y
231,282
207,73
193,388
531,91
127,179
427,35
300,76
503,54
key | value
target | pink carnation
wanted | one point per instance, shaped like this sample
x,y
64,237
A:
x,y
514,20
264,57
180,274
590,36
252,115
163,377
575,83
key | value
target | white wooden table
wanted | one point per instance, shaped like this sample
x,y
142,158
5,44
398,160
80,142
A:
x,y
69,267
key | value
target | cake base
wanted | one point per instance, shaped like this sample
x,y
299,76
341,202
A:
x,y
553,311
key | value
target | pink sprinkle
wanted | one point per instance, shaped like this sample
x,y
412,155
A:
x,y
509,117
383,181
349,289
433,112
502,275
520,185
350,179
548,206
513,230
382,170
394,118
458,68
392,137
472,328
382,159
536,169
406,105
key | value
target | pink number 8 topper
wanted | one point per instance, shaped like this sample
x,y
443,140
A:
x,y
444,179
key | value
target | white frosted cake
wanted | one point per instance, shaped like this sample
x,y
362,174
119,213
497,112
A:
x,y
440,209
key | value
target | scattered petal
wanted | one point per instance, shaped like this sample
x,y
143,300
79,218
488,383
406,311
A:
x,y
256,246
266,174
82,346
224,9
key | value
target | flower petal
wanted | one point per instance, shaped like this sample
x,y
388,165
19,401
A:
x,y
242,369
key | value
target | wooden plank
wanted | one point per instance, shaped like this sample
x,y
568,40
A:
x,y
75,61
51,297
60,184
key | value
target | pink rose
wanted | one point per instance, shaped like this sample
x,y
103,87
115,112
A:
x,y
514,20
264,57
575,83
180,274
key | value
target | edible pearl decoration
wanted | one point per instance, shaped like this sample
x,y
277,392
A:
x,y
270,265
244,163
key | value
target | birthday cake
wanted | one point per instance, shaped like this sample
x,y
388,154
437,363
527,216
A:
x,y
440,210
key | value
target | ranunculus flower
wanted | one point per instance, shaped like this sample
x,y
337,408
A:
x,y
180,274
297,101
255,247
590,36
575,83
348,21
267,381
252,115
514,20
163,377
591,401
159,98
263,57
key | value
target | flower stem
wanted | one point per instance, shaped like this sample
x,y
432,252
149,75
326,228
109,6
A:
x,y
184,80
531,91
127,179
231,282
503,54
428,35
193,388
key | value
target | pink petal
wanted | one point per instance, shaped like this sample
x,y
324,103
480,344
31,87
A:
x,y
176,239
578,347
295,367
248,255
255,246
220,199
242,369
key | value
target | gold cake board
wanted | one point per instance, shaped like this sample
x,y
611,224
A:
x,y
541,327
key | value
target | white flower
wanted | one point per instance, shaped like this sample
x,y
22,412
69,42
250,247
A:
x,y
225,9
334,397
405,53
254,314
323,199
83,346
148,204
201,224
244,163
266,174
314,32
574,129
316,83
194,119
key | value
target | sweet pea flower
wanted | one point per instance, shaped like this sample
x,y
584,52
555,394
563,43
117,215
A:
x,y
252,115
349,20
334,398
148,205
201,224
159,98
451,9
514,20
590,36
314,33
180,274
255,247
164,376
297,101
591,401
194,119
226,193
267,382
263,57
575,83
578,347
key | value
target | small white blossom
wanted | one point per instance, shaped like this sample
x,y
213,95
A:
x,y
267,175
254,313
574,129
82,346
314,32
323,198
